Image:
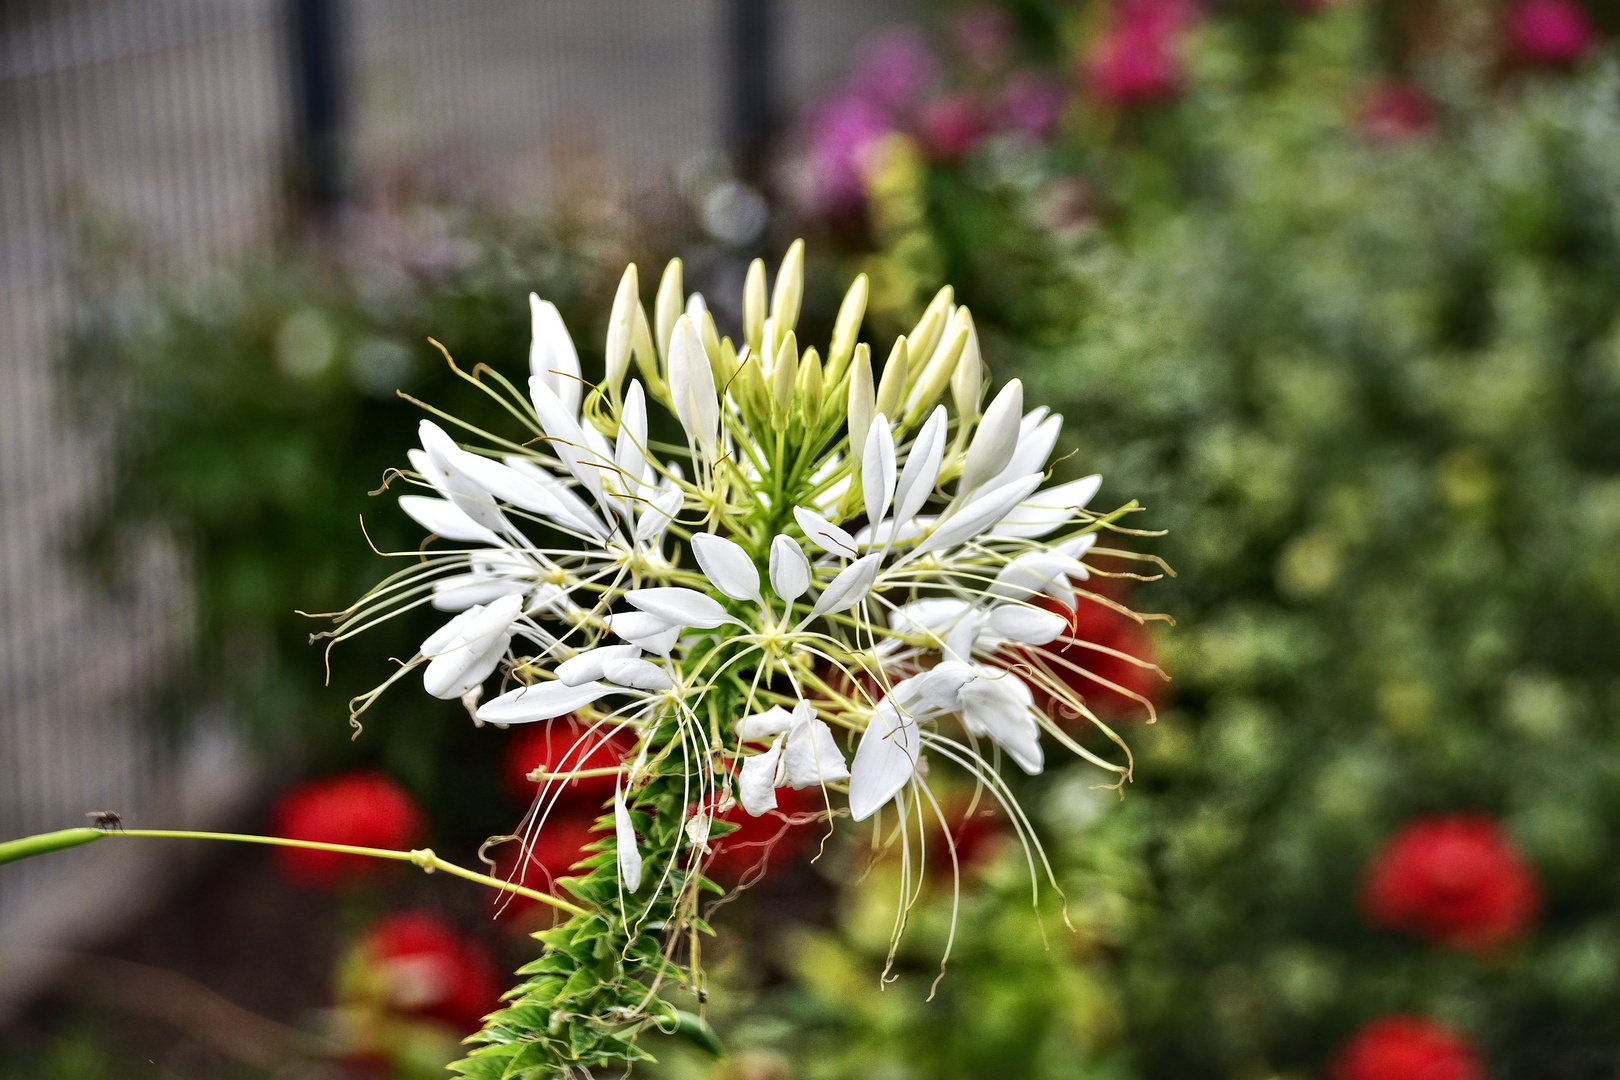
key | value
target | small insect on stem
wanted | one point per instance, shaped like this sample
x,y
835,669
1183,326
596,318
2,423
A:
x,y
106,819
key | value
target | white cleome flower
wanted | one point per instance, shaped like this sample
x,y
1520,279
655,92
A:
x,y
830,577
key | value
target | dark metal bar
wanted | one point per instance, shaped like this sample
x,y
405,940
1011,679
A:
x,y
316,33
750,104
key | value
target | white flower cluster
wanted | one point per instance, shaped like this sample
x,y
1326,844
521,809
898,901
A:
x,y
830,559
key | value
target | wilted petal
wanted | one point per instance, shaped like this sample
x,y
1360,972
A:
x,y
1000,708
727,566
877,469
1047,510
884,761
824,534
624,841
544,701
443,518
551,353
587,666
756,780
850,586
1030,625
811,755
790,569
922,468
680,607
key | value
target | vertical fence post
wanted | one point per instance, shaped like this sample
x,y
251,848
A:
x,y
750,105
320,103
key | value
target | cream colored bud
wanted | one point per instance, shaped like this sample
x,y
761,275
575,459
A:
x,y
893,384
789,291
754,305
621,328
847,329
862,398
641,344
751,379
925,337
784,373
935,375
810,387
967,381
669,306
709,334
724,362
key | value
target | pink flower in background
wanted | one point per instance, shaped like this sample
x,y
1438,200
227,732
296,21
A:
x,y
1406,1048
893,68
1552,32
841,132
983,36
1136,61
1396,112
951,126
1031,102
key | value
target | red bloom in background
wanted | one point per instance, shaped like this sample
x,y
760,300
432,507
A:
x,y
975,837
1396,112
951,126
1553,32
365,809
762,846
1457,880
552,745
429,969
1136,61
1406,1048
552,853
1103,626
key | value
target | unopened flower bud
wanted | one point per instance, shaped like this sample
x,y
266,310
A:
x,y
784,373
936,375
668,306
810,387
847,329
893,383
967,381
789,292
754,305
862,398
621,328
925,336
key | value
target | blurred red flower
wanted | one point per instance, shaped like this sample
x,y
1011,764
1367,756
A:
x,y
1553,32
1457,880
975,837
363,808
558,746
1395,112
1136,61
1406,1048
1103,626
951,126
429,969
762,846
552,853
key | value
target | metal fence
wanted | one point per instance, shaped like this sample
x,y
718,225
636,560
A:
x,y
179,120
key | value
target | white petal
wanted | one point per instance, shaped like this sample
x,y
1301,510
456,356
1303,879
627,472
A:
x,y
884,761
727,566
680,607
939,689
922,468
766,725
565,438
877,469
824,534
587,666
445,519
636,625
983,511
790,569
850,586
440,640
522,489
463,591
656,514
479,643
543,701
1036,436
1047,510
756,780
630,452
1031,625
907,530
1036,572
1000,708
551,353
469,497
995,440
638,674
624,840
691,386
576,514
933,615
811,755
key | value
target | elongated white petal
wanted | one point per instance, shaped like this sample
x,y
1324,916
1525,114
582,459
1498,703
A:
x,y
727,566
520,488
680,607
884,761
637,674
576,515
756,780
441,639
979,514
922,468
565,438
587,666
1036,572
850,586
621,323
1000,708
630,450
473,653
624,842
656,515
1047,510
551,353
933,615
443,518
469,497
463,591
877,469
543,701
995,440
1031,625
691,387
824,534
939,689
766,725
790,569
810,755
638,627
1037,434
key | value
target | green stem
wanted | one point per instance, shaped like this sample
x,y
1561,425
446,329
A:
x,y
423,857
